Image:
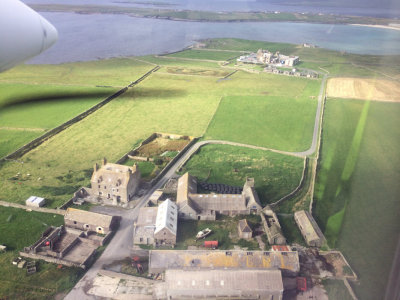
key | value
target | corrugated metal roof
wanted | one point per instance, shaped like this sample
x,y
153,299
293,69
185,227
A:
x,y
212,282
167,216
220,259
219,202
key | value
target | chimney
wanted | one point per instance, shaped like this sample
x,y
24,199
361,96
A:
x,y
104,161
96,167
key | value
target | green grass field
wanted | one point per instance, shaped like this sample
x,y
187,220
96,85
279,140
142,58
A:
x,y
10,140
161,103
117,72
248,45
357,187
34,109
206,54
275,174
283,122
19,229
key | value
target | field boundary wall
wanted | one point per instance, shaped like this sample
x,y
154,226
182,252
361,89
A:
x,y
41,139
301,183
39,209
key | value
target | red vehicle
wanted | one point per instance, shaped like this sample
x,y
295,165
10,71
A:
x,y
211,244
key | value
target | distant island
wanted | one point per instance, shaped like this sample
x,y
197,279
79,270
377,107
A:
x,y
208,16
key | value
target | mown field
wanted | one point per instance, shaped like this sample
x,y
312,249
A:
x,y
357,191
18,229
275,174
366,89
283,122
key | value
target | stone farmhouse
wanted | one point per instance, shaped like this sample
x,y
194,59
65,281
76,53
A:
x,y
309,229
266,57
157,226
194,206
115,182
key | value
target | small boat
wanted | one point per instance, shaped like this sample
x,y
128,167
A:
x,y
202,234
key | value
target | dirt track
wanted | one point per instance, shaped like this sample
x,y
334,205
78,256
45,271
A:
x,y
367,89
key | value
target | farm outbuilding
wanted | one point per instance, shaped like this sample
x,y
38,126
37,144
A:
x,y
223,284
157,226
309,228
244,230
90,221
35,201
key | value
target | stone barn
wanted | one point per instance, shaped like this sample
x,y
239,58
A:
x,y
309,228
206,206
90,221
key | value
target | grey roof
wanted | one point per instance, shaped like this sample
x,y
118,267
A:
x,y
223,282
303,219
88,217
167,217
244,226
219,202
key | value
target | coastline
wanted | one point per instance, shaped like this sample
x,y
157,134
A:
x,y
378,26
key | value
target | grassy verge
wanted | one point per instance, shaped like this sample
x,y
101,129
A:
x,y
18,229
357,187
275,174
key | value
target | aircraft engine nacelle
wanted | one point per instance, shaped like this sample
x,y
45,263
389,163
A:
x,y
23,33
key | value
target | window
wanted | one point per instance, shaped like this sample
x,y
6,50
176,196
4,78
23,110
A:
x,y
99,185
74,222
222,283
207,282
250,253
193,282
228,253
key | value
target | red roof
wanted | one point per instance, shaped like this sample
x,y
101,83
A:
x,y
280,248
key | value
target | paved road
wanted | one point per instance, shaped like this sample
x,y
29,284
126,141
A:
x,y
313,146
